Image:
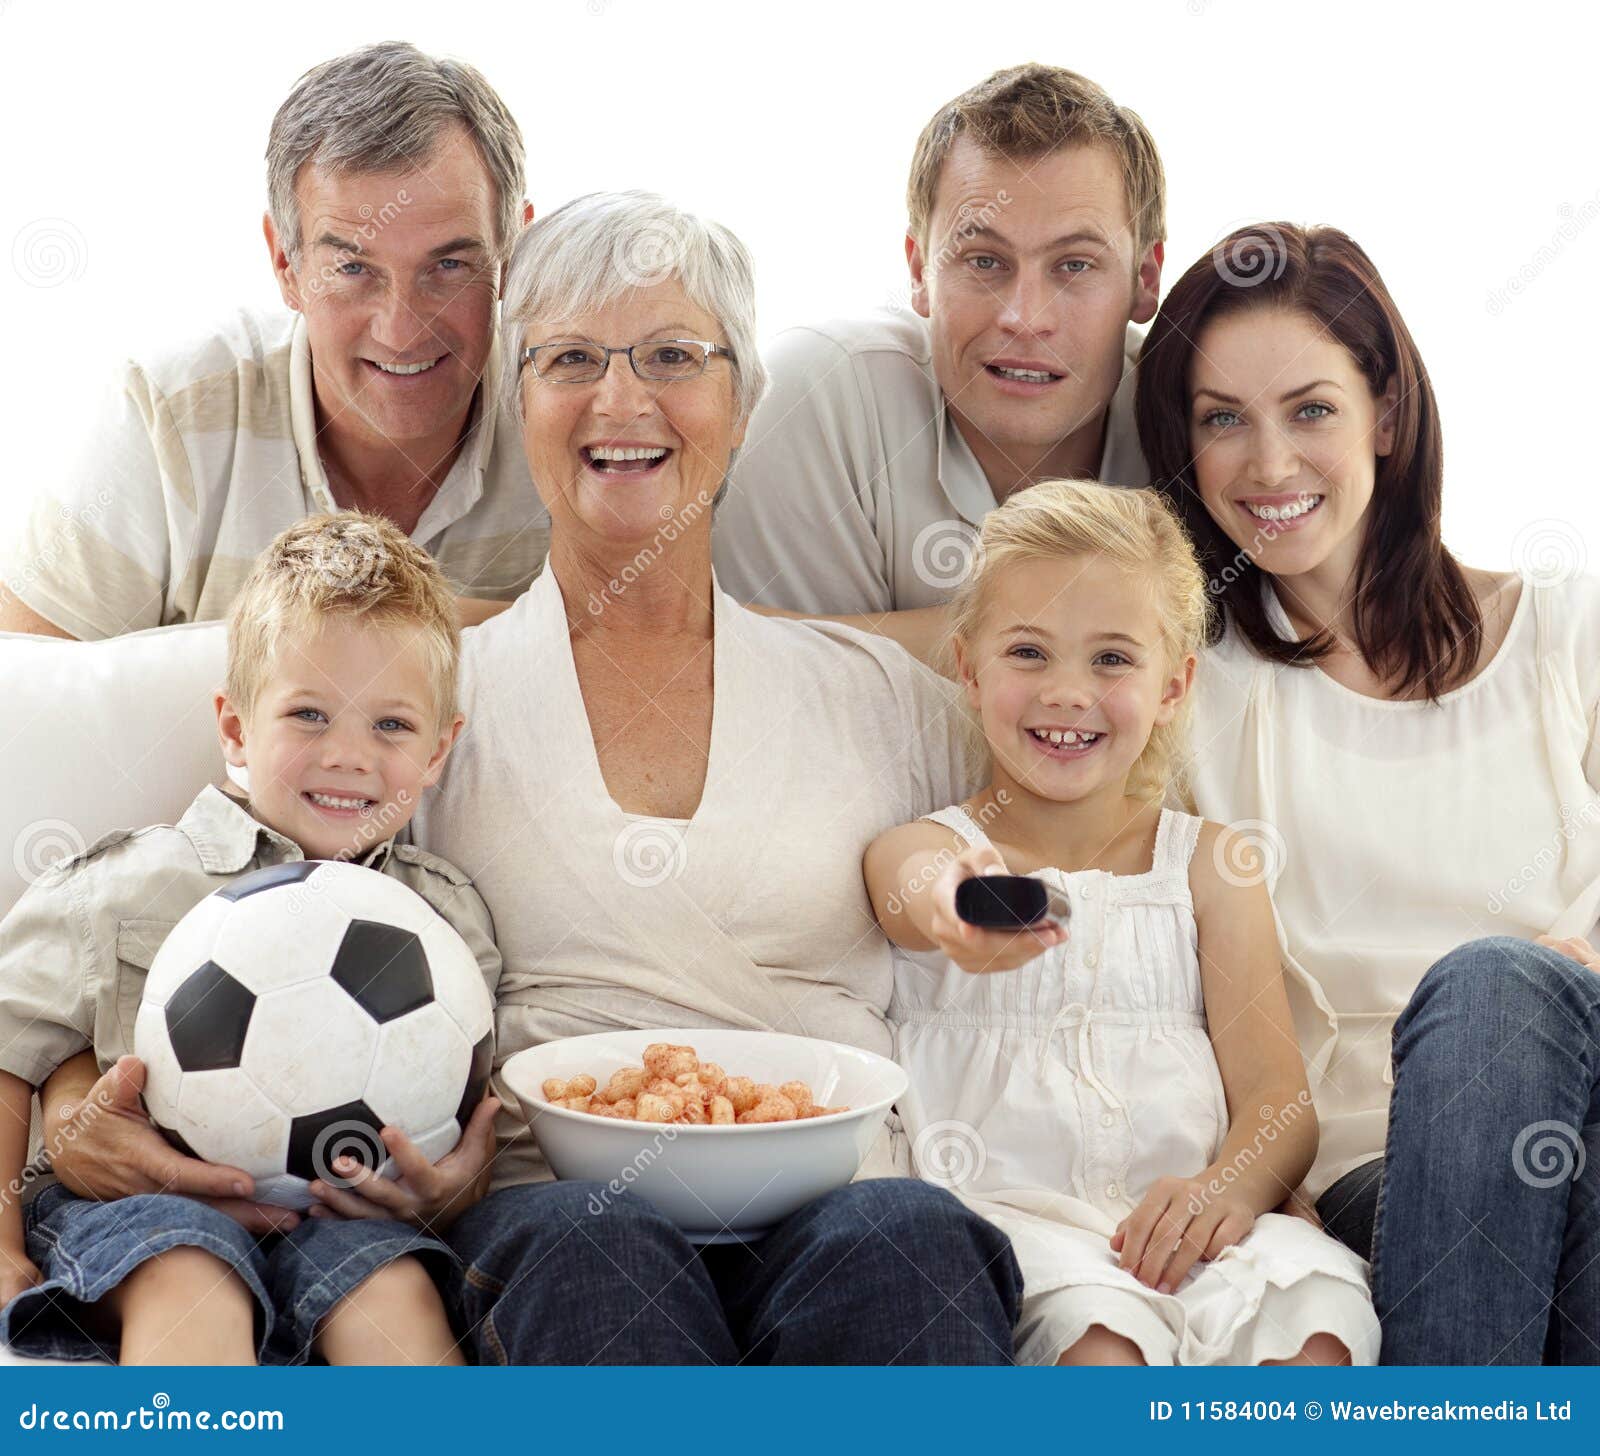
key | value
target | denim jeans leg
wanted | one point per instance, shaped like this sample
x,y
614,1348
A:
x,y
1349,1208
888,1271
1496,1061
572,1274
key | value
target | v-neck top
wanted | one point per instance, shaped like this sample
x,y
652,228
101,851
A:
x,y
752,912
1395,831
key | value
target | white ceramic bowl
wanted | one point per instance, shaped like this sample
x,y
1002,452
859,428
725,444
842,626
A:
x,y
718,1184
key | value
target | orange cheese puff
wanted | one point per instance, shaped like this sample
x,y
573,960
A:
x,y
625,1082
740,1091
721,1111
575,1104
624,1107
655,1109
662,1059
772,1107
554,1088
694,1113
797,1092
582,1085
713,1076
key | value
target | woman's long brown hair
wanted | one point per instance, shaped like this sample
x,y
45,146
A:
x,y
1417,623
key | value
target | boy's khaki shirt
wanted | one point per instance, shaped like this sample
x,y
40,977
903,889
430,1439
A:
x,y
75,949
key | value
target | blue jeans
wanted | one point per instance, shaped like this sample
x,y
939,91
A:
x,y
883,1272
1486,1246
85,1248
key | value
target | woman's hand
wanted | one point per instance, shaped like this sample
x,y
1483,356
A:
x,y
104,1146
1574,947
17,1273
427,1195
970,946
1179,1222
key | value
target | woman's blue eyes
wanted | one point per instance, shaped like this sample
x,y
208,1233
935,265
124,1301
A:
x,y
1223,419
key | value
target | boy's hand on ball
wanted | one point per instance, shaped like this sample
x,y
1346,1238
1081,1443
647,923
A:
x,y
105,1147
428,1195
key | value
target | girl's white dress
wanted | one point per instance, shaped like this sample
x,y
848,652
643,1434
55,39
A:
x,y
1051,1097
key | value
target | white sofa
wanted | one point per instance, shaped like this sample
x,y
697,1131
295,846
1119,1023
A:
x,y
96,736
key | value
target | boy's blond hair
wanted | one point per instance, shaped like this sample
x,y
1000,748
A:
x,y
1057,519
1030,111
348,564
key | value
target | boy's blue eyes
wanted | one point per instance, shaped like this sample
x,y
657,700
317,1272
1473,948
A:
x,y
389,725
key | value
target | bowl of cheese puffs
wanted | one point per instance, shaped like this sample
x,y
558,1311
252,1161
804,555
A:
x,y
725,1132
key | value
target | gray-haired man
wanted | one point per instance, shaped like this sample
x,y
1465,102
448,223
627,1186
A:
x,y
395,190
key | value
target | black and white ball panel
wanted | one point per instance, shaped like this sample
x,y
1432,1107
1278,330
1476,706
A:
x,y
285,1021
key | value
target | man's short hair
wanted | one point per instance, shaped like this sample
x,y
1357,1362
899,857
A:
x,y
383,108
345,565
1030,111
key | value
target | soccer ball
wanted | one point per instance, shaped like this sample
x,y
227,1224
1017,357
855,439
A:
x,y
295,1012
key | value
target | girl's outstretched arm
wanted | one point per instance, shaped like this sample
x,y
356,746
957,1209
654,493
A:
x,y
1272,1128
912,873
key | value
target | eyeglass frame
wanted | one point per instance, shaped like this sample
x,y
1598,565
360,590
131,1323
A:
x,y
712,351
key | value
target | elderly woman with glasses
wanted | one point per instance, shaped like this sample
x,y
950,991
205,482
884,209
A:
x,y
664,799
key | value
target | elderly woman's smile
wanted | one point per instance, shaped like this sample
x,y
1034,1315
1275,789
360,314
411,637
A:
x,y
629,412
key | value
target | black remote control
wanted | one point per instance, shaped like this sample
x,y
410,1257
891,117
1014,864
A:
x,y
1009,902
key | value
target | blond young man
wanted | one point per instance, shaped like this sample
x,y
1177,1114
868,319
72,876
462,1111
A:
x,y
1036,217
338,712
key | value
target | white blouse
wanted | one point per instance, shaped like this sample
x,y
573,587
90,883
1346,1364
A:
x,y
751,913
1396,831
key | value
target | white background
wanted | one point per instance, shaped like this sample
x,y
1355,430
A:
x,y
1458,144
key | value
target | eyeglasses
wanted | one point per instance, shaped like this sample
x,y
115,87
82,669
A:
x,y
661,360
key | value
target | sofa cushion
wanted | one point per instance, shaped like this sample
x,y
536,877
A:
x,y
97,736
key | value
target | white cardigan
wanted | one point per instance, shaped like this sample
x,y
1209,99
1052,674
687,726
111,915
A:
x,y
1396,831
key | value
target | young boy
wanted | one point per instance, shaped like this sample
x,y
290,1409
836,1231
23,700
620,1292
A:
x,y
337,712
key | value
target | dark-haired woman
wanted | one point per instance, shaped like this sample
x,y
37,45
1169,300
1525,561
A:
x,y
1414,744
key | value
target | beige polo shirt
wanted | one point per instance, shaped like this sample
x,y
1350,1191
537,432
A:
x,y
201,455
855,490
75,949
